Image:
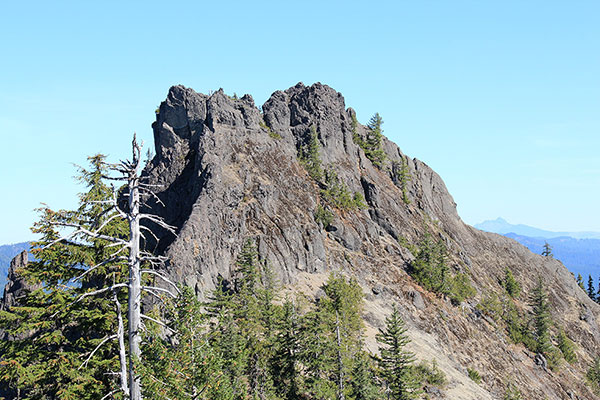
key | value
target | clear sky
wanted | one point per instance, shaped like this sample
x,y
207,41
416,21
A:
x,y
501,98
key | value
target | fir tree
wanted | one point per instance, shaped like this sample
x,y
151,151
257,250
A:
x,y
244,325
373,145
547,250
182,365
309,155
395,362
566,346
542,322
510,284
362,383
590,289
580,281
285,367
401,177
63,341
332,338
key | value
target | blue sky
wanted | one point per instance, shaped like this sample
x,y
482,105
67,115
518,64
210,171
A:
x,y
501,98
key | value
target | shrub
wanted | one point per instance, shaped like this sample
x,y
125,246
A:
x,y
490,305
512,392
338,195
309,156
460,288
593,376
270,131
566,346
430,374
430,270
323,216
474,375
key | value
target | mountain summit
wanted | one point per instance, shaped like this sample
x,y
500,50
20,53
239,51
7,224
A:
x,y
318,192
501,226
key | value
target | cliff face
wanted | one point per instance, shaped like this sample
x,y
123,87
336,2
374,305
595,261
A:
x,y
229,172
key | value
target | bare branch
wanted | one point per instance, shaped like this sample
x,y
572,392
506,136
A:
x,y
99,291
110,260
89,233
159,222
150,288
106,339
149,231
161,276
158,322
110,394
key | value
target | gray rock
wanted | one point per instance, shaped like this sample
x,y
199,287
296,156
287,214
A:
x,y
417,299
540,360
225,179
16,286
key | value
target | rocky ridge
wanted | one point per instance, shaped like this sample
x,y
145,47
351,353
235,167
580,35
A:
x,y
230,171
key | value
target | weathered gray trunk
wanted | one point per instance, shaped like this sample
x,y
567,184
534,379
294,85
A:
x,y
122,352
135,286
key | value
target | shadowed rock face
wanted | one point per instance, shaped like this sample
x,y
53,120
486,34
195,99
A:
x,y
229,172
16,286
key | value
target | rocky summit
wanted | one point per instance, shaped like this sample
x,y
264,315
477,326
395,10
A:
x,y
230,171
318,192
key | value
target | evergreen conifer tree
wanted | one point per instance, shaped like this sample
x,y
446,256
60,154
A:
x,y
510,284
580,281
566,346
542,322
63,342
362,384
332,338
395,362
373,146
178,363
547,250
590,289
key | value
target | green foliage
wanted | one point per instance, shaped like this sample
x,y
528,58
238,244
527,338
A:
x,y
474,375
430,374
547,251
512,392
401,176
270,131
308,154
362,381
181,365
510,284
590,289
580,281
430,270
402,241
54,330
338,195
323,216
566,346
593,376
395,363
490,305
333,339
541,322
372,145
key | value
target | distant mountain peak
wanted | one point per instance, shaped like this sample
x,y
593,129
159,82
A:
x,y
502,227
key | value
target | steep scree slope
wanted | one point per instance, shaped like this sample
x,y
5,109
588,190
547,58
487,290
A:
x,y
230,171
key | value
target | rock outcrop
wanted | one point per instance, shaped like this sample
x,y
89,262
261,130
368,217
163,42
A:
x,y
230,171
16,286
